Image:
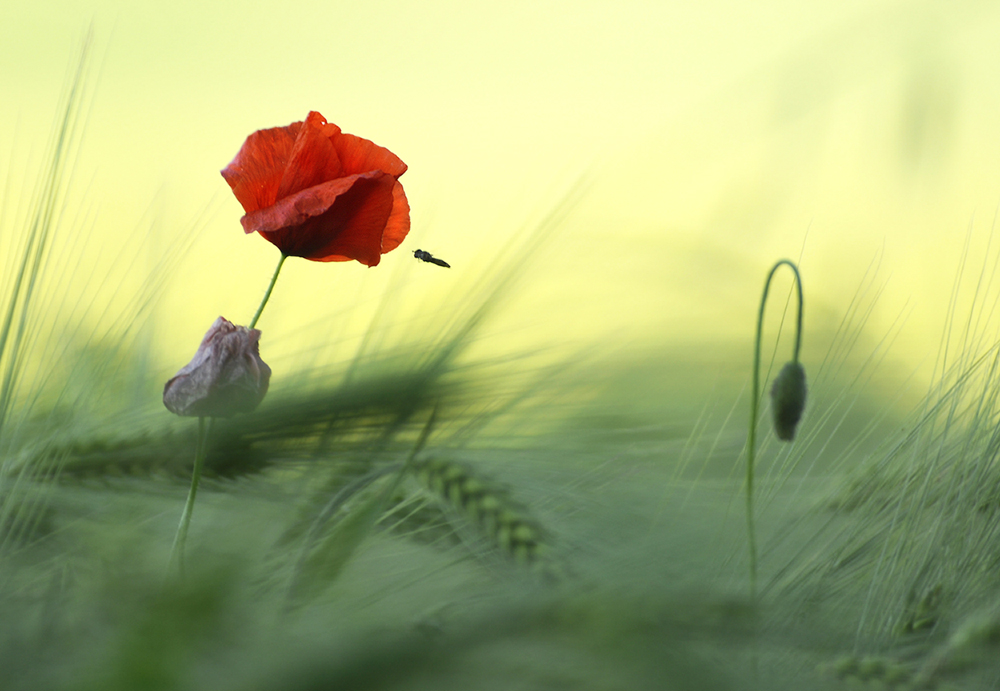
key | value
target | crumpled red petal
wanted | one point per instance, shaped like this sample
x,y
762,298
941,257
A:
x,y
339,220
256,172
398,224
359,155
313,159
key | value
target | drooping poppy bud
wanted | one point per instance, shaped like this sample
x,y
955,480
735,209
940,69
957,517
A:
x,y
225,377
788,399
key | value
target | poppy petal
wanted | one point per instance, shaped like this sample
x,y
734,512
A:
x,y
359,155
255,174
361,213
398,224
298,208
336,221
313,159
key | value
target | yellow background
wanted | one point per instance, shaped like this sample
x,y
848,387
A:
x,y
713,138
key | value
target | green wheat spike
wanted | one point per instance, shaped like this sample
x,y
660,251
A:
x,y
487,507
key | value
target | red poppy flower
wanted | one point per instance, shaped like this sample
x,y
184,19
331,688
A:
x,y
317,193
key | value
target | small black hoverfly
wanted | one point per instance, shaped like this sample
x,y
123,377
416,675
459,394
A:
x,y
428,257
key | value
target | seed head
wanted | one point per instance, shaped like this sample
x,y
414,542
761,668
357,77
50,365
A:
x,y
788,399
225,377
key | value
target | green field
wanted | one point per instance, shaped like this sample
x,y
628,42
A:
x,y
422,516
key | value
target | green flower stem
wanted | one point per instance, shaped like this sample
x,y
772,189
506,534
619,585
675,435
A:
x,y
754,403
177,553
267,295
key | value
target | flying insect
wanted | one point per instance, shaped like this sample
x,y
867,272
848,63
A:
x,y
428,257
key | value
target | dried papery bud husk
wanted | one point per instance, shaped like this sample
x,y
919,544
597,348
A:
x,y
225,377
788,399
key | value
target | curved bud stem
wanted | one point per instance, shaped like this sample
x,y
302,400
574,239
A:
x,y
754,403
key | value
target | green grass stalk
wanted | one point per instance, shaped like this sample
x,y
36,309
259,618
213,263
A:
x,y
177,552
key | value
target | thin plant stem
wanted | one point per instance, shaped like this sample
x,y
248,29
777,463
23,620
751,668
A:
x,y
267,295
177,553
754,403
352,529
204,429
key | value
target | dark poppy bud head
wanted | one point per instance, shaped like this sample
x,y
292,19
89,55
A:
x,y
225,377
788,400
